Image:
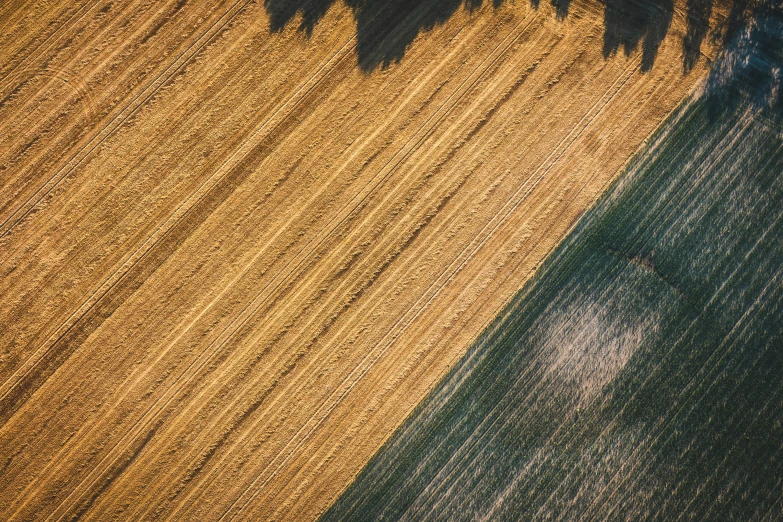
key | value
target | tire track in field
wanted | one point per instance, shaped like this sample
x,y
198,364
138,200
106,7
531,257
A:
x,y
292,363
142,263
228,146
49,65
33,54
79,88
25,174
136,103
396,248
417,311
629,72
104,29
31,375
79,510
331,404
258,489
339,57
77,133
305,257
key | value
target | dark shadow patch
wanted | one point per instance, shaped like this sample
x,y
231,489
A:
x,y
697,22
561,8
387,28
283,11
629,23
750,64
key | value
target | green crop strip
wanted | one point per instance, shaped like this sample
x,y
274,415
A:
x,y
639,375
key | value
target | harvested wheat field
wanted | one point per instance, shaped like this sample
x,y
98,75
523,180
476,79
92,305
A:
x,y
239,242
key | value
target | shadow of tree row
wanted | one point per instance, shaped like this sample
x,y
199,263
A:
x,y
750,64
387,28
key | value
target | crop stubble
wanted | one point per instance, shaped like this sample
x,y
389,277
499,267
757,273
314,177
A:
x,y
232,262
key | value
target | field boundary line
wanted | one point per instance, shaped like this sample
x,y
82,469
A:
x,y
515,200
432,297
670,204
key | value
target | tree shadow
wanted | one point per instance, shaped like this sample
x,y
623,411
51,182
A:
x,y
750,65
697,23
385,29
629,22
283,11
561,8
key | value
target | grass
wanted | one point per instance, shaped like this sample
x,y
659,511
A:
x,y
637,376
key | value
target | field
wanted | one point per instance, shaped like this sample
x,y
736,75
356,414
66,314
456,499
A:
x,y
637,376
240,241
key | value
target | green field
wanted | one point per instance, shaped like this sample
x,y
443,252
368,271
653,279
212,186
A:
x,y
639,375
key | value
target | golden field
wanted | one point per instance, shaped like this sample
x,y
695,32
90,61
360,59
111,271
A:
x,y
232,260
